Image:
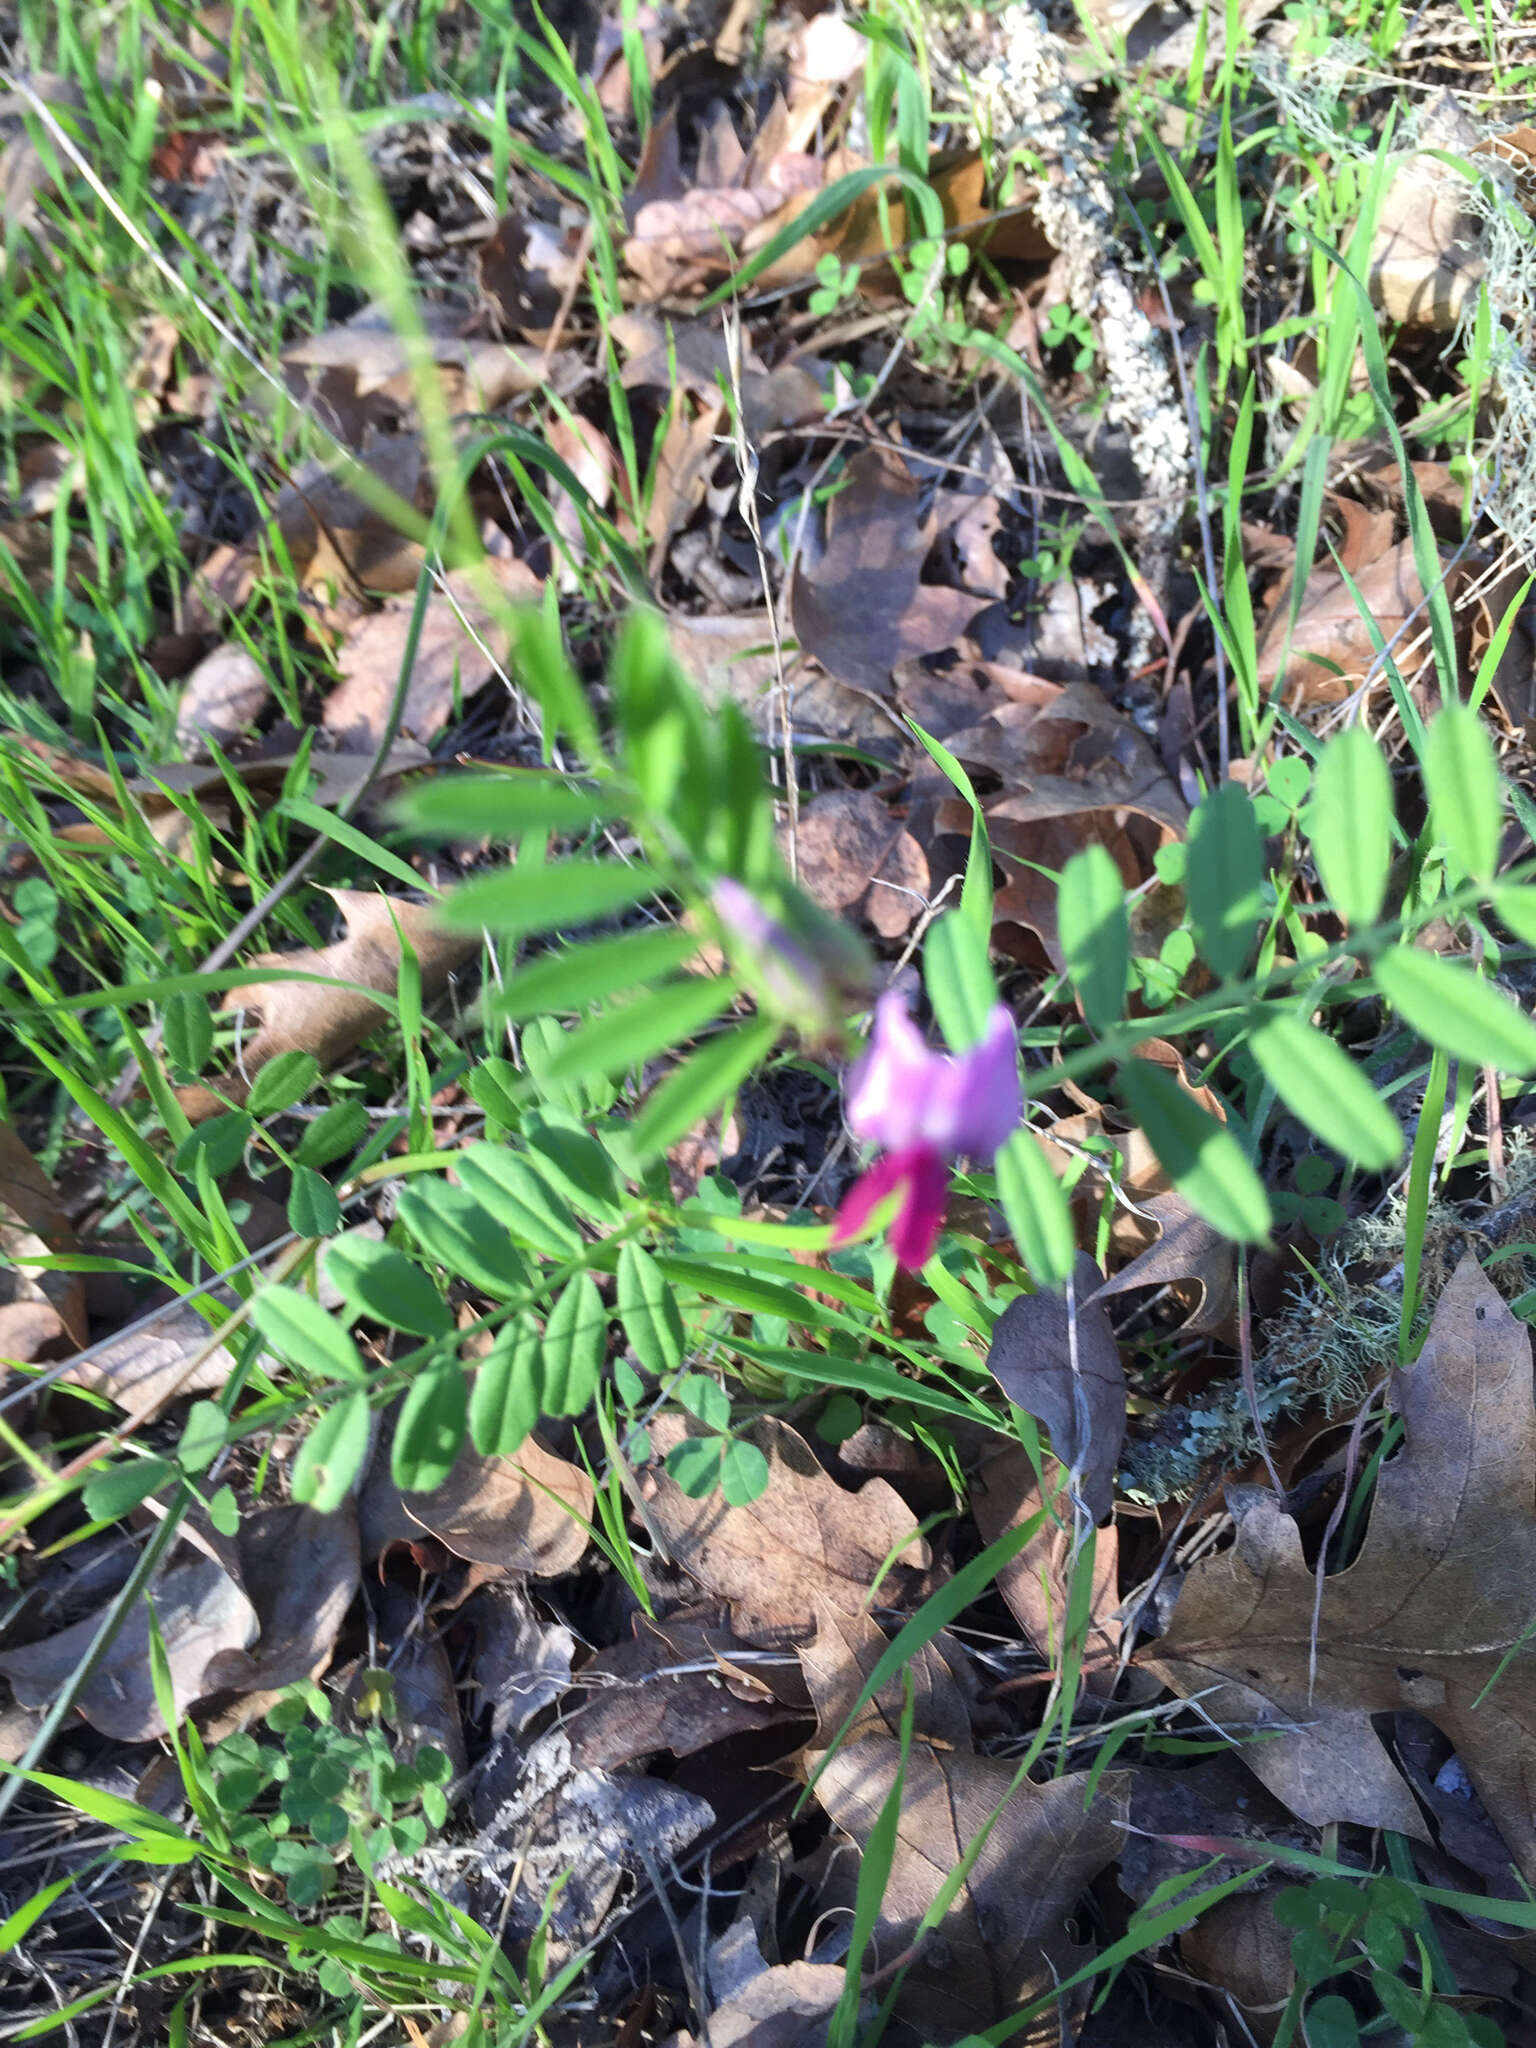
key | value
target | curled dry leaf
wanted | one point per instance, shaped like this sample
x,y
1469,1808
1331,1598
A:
x,y
225,693
864,606
1073,770
1334,642
332,533
685,462
171,1351
330,1016
694,356
1242,1949
424,1705
1187,1249
785,2005
804,1541
37,1307
462,646
144,1368
202,1615
740,198
556,1852
367,355
592,459
1425,258
840,1659
526,269
527,1513
522,1665
1004,1941
300,1570
665,1689
1036,1584
1055,1356
854,858
730,659
165,792
1434,1610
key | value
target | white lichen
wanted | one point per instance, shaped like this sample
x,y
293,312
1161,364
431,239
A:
x,y
1023,95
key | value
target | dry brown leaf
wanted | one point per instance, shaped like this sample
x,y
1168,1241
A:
x,y
461,647
839,1660
682,233
804,1541
202,1614
526,269
674,242
330,531
1425,260
225,693
1515,149
694,356
1241,1948
37,1307
864,607
1007,228
424,1708
1056,1357
785,2005
555,1853
527,1513
1187,1248
1036,1583
592,459
1334,645
1004,1941
1068,753
1074,771
689,451
476,375
157,787
729,658
521,1664
330,1016
853,858
300,1570
663,1689
143,1369
1437,1599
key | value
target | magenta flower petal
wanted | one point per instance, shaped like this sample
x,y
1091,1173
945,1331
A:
x,y
925,1196
984,1100
921,1176
889,1087
866,1195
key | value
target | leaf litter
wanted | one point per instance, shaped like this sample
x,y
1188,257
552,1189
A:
x,y
610,1729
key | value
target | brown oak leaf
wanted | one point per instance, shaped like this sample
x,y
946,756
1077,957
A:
x,y
805,1539
1433,1614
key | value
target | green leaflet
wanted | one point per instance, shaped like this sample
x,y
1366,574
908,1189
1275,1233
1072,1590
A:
x,y
1225,878
1451,1006
1466,801
429,1431
517,901
649,1313
520,1200
574,1347
331,1456
1204,1160
1036,1210
1349,822
1094,927
1321,1084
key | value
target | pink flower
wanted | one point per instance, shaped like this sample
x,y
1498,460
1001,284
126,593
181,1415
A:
x,y
923,1108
